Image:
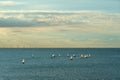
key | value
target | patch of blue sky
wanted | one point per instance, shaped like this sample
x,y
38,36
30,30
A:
x,y
69,5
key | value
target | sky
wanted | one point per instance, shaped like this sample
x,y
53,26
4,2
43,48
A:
x,y
60,23
69,5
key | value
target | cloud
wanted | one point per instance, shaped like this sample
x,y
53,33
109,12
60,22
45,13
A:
x,y
13,22
59,29
10,3
59,18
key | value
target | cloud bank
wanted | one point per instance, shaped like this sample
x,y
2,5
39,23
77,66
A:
x,y
59,29
46,18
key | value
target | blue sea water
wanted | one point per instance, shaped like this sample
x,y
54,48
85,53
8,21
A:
x,y
104,64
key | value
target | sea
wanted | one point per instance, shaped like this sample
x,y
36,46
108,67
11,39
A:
x,y
102,64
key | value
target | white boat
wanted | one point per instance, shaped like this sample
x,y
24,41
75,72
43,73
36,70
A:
x,y
59,55
85,56
81,56
89,55
53,55
71,57
23,61
74,55
32,56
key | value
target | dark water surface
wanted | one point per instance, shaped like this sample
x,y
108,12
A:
x,y
104,64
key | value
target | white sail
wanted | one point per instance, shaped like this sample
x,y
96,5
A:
x,y
23,61
71,57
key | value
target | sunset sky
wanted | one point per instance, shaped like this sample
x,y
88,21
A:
x,y
59,23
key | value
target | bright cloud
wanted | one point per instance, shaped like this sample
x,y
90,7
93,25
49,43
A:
x,y
9,3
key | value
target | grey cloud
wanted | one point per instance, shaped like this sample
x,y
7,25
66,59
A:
x,y
13,22
56,19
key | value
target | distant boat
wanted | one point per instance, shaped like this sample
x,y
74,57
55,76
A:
x,y
85,55
89,55
74,55
59,55
53,56
71,57
23,61
81,56
32,56
68,55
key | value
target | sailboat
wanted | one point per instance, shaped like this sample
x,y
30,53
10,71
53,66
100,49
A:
x,y
23,61
32,56
71,57
68,55
59,55
53,56
74,55
81,56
